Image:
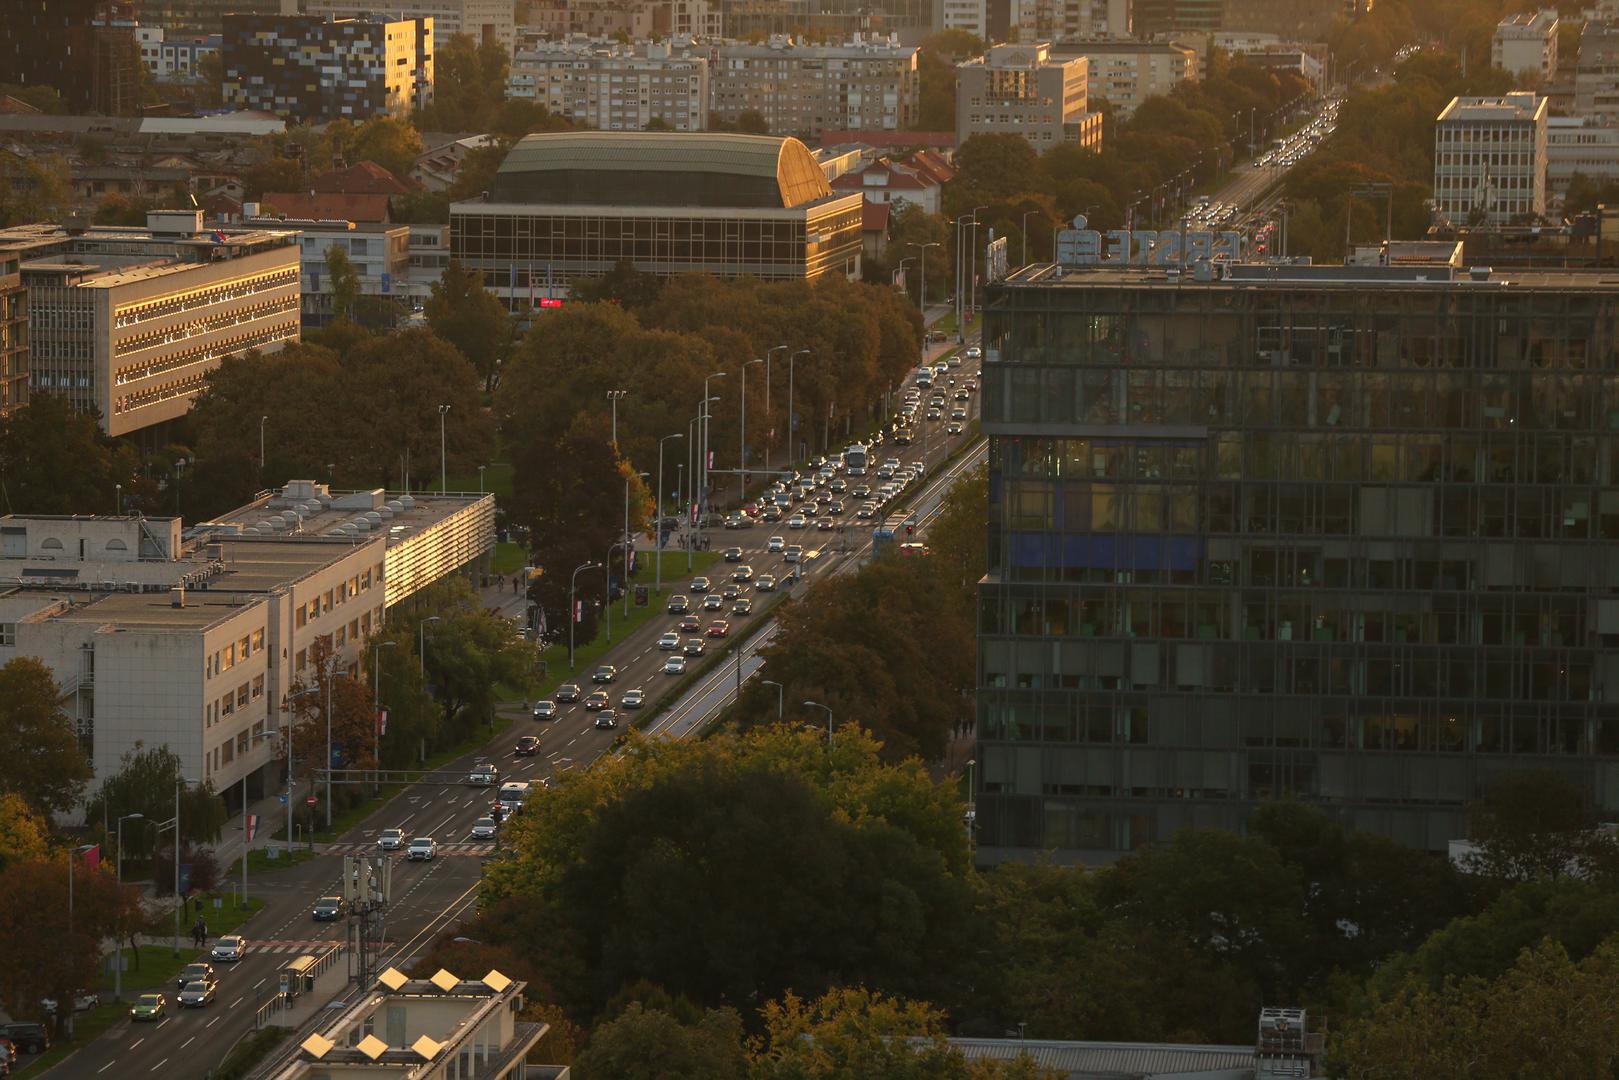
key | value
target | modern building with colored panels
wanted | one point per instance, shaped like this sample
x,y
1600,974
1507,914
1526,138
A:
x,y
130,321
572,205
1343,534
306,68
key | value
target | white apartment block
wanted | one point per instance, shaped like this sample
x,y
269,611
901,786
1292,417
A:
x,y
1490,158
1596,72
1526,44
481,20
1070,20
193,638
130,321
1127,73
696,19
174,56
868,84
969,15
1022,90
613,87
1576,144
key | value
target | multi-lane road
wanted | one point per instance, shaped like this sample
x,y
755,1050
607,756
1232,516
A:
x,y
430,896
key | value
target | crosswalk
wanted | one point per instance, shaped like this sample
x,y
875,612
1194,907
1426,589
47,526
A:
x,y
481,848
292,947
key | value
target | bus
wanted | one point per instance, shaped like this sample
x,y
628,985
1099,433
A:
x,y
854,460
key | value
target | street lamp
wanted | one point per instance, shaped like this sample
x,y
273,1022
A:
x,y
629,546
443,467
972,802
742,438
179,784
331,678
573,617
657,525
376,711
481,468
791,428
902,264
614,397
262,421
421,645
779,693
118,965
245,838
922,304
1023,227
972,276
828,710
769,416
702,464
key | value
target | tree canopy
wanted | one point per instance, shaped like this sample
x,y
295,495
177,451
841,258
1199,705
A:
x,y
43,762
145,783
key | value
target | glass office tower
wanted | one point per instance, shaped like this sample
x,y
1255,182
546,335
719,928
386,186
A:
x,y
1341,534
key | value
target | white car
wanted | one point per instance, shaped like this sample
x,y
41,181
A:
x,y
391,839
775,544
231,948
483,775
675,665
793,554
484,828
797,521
423,847
669,642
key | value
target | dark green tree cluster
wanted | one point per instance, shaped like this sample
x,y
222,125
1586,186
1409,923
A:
x,y
147,781
55,460
43,763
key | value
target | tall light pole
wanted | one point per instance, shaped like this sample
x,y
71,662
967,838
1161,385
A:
x,y
742,437
481,468
702,464
1023,227
779,694
614,397
972,802
770,417
828,710
179,785
961,330
443,466
902,264
629,545
118,965
657,525
972,277
924,298
331,678
688,507
573,618
262,421
245,838
421,646
376,711
792,429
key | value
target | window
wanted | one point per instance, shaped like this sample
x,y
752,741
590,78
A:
x,y
8,635
303,617
241,696
258,687
303,659
258,641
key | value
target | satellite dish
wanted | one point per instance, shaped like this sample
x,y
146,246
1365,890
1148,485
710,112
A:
x,y
1081,222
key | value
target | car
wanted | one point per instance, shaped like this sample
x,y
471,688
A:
x,y
512,794
25,1036
774,545
700,584
861,491
568,692
892,465
192,972
734,520
483,775
527,746
194,995
713,602
669,642
770,513
675,665
797,521
825,524
606,673
719,628
955,361
633,699
742,573
230,948
958,414
765,582
678,604
733,590
793,554
485,828
733,554
835,507
597,700
837,487
955,428
423,847
606,720
963,395
934,414
974,352
742,606
694,647
326,909
865,511
148,1007
391,839
545,709
83,1001
690,625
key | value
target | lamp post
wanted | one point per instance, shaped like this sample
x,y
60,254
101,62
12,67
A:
x,y
961,333
742,437
972,801
573,618
1023,227
262,421
972,276
769,416
179,784
331,677
923,299
421,646
481,468
702,464
376,712
443,465
792,452
629,545
245,838
688,504
657,525
902,264
118,965
779,694
614,397
828,710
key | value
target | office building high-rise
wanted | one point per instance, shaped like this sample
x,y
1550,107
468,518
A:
x,y
306,68
1023,90
1490,159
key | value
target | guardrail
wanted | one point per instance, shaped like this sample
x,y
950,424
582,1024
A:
x,y
269,1010
306,974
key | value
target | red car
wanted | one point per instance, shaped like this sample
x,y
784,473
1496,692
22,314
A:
x,y
719,628
690,624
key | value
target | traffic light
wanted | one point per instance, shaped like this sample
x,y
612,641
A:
x,y
909,529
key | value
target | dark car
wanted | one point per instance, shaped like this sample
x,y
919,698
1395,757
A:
x,y
527,746
597,700
29,1038
193,972
606,720
733,554
604,674
568,692
678,604
699,584
328,908
694,647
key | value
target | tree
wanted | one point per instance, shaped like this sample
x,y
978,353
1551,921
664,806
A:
x,y
958,536
34,189
145,783
276,174
345,282
469,85
348,728
467,315
55,460
43,762
391,143
22,831
1537,825
648,1044
623,285
208,89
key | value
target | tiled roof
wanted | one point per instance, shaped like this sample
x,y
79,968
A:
x,y
366,178
327,206
873,217
873,137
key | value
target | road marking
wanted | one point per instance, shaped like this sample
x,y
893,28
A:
x,y
260,982
211,1023
105,1067
188,1042
237,1002
575,739
163,1021
441,824
159,1065
137,1042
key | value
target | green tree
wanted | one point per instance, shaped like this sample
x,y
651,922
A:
x,y
145,783
516,117
391,143
208,88
1537,825
469,653
43,762
47,99
465,314
469,85
649,1044
623,285
344,282
55,460
276,174
23,831
958,536
34,189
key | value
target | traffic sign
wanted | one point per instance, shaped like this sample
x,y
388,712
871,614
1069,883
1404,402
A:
x,y
283,798
310,801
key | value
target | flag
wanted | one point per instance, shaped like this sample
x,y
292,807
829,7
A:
x,y
219,237
578,611
710,459
252,827
382,722
694,513
90,855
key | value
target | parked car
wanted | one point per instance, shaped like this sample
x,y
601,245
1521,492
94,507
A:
x,y
423,847
83,1001
28,1037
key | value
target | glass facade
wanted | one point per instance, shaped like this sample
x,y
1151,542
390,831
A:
x,y
1348,540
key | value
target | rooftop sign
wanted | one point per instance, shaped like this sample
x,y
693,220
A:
x,y
1080,246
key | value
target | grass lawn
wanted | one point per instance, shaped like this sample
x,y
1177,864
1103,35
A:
x,y
259,862
497,480
509,558
158,969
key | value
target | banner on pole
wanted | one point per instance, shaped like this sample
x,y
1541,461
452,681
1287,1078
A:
x,y
252,827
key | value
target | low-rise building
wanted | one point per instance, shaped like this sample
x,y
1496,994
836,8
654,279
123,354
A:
x,y
969,15
171,55
193,638
1127,73
610,86
801,89
378,251
1490,159
438,167
1525,43
303,67
1596,71
1023,90
130,321
917,181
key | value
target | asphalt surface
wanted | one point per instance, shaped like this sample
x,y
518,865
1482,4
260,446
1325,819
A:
x,y
431,896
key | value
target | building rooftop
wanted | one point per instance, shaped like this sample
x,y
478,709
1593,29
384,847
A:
x,y
173,241
1517,105
305,510
1115,1060
1098,47
327,205
1405,276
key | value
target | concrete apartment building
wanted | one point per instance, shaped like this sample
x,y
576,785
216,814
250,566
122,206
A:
x,y
1023,90
613,87
171,55
1344,534
1490,158
696,19
1596,70
1526,44
969,15
306,68
130,321
442,1028
481,20
1583,145
378,251
802,89
13,334
1069,20
194,637
1127,73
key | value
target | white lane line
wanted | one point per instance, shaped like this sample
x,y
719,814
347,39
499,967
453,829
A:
x,y
211,1023
188,1042
137,1042
159,1065
441,824
163,1021
575,739
104,1068
260,982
